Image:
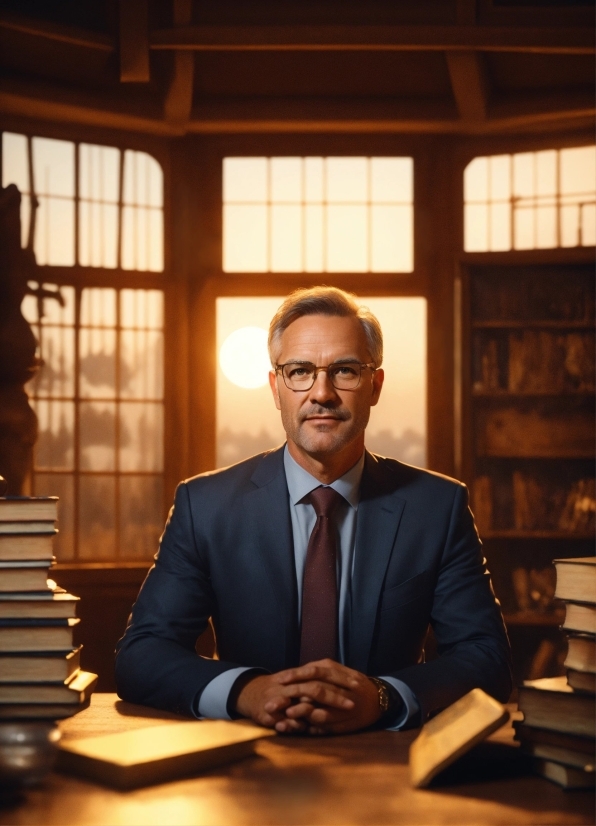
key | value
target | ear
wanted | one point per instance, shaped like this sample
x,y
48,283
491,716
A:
x,y
274,388
377,385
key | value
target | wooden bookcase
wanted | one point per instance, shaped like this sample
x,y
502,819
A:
x,y
528,438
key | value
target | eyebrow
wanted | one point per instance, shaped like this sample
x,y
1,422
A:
x,y
344,360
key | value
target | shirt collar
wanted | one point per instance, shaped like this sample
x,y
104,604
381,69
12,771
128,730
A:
x,y
301,482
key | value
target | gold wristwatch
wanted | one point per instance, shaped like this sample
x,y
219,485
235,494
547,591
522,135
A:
x,y
383,692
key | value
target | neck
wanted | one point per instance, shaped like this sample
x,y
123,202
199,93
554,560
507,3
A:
x,y
327,467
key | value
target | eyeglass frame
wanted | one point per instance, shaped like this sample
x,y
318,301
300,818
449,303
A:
x,y
361,364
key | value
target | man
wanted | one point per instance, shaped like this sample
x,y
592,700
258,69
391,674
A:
x,y
320,565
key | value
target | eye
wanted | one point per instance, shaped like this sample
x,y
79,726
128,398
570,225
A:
x,y
345,371
298,371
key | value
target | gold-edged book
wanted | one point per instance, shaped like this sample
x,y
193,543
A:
x,y
76,689
154,755
452,733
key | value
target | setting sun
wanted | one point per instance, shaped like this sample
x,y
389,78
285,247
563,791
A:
x,y
243,357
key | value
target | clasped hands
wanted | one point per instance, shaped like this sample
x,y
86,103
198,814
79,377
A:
x,y
322,697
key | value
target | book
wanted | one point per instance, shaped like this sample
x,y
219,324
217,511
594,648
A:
x,y
580,617
558,746
28,508
36,666
23,637
581,680
550,703
566,776
77,689
40,711
58,606
576,579
28,578
452,733
27,546
136,758
27,527
581,654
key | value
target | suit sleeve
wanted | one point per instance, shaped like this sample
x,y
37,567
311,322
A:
x,y
466,618
156,662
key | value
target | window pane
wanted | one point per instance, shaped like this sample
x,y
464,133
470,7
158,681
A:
x,y
97,363
53,167
314,173
142,216
98,308
391,239
98,235
54,232
313,230
245,180
143,180
56,377
62,486
53,312
55,443
578,169
286,180
141,309
97,517
523,175
245,234
141,520
141,436
500,226
476,227
97,450
347,239
347,180
99,171
546,172
588,225
141,364
286,238
392,180
546,227
476,181
15,169
525,228
500,178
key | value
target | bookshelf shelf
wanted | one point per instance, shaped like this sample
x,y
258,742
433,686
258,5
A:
x,y
545,324
528,434
514,534
535,618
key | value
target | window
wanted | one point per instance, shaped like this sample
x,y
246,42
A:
x,y
317,214
531,200
99,395
96,206
99,403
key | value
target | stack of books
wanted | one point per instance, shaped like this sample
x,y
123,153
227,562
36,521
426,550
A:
x,y
40,675
559,712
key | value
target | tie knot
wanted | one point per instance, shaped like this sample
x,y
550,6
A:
x,y
324,500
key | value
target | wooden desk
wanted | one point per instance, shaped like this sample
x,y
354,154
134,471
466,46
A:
x,y
355,779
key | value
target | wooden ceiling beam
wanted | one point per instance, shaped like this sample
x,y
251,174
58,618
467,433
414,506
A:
x,y
301,116
178,102
553,40
469,83
61,34
134,41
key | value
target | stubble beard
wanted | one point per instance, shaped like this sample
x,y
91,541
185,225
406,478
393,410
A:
x,y
323,442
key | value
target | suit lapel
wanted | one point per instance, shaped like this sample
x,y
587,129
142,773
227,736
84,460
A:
x,y
379,514
268,511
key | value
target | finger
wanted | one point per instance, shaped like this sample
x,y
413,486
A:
x,y
287,726
322,693
324,670
278,703
302,709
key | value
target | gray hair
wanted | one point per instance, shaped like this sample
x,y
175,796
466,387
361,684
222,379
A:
x,y
325,301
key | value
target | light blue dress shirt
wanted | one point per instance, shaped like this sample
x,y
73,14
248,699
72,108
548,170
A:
x,y
214,699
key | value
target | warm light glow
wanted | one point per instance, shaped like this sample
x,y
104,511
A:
x,y
243,357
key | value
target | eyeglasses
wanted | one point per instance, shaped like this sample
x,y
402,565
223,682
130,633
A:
x,y
301,375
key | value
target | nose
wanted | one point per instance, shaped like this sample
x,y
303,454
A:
x,y
322,390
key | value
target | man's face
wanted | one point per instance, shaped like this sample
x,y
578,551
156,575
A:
x,y
325,420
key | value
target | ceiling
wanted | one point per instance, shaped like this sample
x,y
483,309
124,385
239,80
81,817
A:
x,y
172,67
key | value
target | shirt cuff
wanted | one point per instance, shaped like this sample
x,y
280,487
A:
x,y
213,702
410,708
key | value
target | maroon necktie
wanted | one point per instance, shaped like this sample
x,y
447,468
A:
x,y
318,638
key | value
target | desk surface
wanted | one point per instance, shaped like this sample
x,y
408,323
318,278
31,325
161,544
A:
x,y
354,779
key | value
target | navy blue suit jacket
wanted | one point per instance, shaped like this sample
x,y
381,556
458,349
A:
x,y
227,553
